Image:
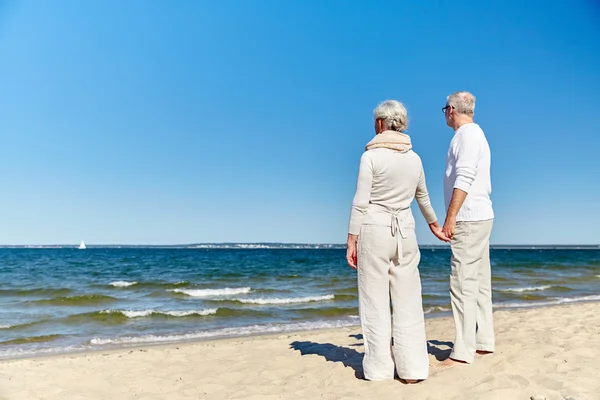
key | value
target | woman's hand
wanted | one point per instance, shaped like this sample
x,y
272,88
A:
x,y
439,232
351,256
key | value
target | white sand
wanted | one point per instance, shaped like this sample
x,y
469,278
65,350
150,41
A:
x,y
549,352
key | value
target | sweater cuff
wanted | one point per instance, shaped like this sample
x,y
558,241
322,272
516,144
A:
x,y
356,221
430,218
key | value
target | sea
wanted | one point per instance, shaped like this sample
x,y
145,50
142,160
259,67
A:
x,y
57,300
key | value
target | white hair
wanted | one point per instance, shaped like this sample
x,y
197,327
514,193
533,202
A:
x,y
462,102
393,114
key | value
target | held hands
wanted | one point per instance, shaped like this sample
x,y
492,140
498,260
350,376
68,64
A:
x,y
449,227
439,232
351,257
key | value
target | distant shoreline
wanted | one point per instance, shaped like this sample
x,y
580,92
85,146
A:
x,y
284,246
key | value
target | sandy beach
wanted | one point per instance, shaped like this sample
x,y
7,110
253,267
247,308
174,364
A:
x,y
546,353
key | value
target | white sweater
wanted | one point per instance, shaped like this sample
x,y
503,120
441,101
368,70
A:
x,y
468,169
389,179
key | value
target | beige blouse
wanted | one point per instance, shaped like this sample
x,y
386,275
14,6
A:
x,y
388,181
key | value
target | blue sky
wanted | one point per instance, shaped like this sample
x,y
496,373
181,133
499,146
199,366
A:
x,y
199,121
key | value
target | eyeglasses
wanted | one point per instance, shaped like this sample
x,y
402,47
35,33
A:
x,y
445,108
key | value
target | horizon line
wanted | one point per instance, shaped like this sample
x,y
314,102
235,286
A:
x,y
281,244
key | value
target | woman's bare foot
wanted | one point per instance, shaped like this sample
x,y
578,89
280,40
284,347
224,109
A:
x,y
484,352
411,381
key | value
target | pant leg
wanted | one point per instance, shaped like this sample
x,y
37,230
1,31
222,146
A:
x,y
468,247
374,301
485,320
410,343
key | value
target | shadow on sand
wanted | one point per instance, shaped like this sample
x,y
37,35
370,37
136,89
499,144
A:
x,y
330,352
439,353
353,359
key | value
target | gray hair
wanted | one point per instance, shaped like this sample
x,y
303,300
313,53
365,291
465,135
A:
x,y
393,114
462,102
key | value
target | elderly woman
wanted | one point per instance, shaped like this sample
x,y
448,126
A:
x,y
387,258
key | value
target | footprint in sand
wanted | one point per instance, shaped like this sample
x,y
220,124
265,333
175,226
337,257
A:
x,y
547,383
520,380
487,379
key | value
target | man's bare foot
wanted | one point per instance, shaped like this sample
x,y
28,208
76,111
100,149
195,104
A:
x,y
484,352
411,381
450,362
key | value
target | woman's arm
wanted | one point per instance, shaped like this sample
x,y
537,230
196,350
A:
x,y
424,202
362,196
422,197
359,206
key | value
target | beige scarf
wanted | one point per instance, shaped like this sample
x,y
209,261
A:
x,y
391,140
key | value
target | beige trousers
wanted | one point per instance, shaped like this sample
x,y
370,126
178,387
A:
x,y
383,276
471,289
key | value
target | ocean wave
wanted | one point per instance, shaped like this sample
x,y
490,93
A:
x,y
36,292
178,284
284,277
24,352
85,300
229,332
118,317
122,283
525,289
159,284
212,292
351,290
550,302
25,325
436,309
31,339
285,300
149,312
326,312
433,296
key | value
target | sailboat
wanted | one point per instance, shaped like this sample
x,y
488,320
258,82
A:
x,y
81,246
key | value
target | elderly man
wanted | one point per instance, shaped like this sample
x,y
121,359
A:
x,y
468,224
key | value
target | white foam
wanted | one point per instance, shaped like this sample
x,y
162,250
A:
x,y
146,313
17,353
212,292
122,283
550,302
229,332
288,300
5,326
526,289
436,309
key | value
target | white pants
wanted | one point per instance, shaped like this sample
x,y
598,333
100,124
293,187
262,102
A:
x,y
382,275
471,290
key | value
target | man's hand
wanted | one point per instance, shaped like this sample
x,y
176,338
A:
x,y
449,227
351,256
458,198
438,233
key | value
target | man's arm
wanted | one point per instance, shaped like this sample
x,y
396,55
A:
x,y
467,156
458,198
